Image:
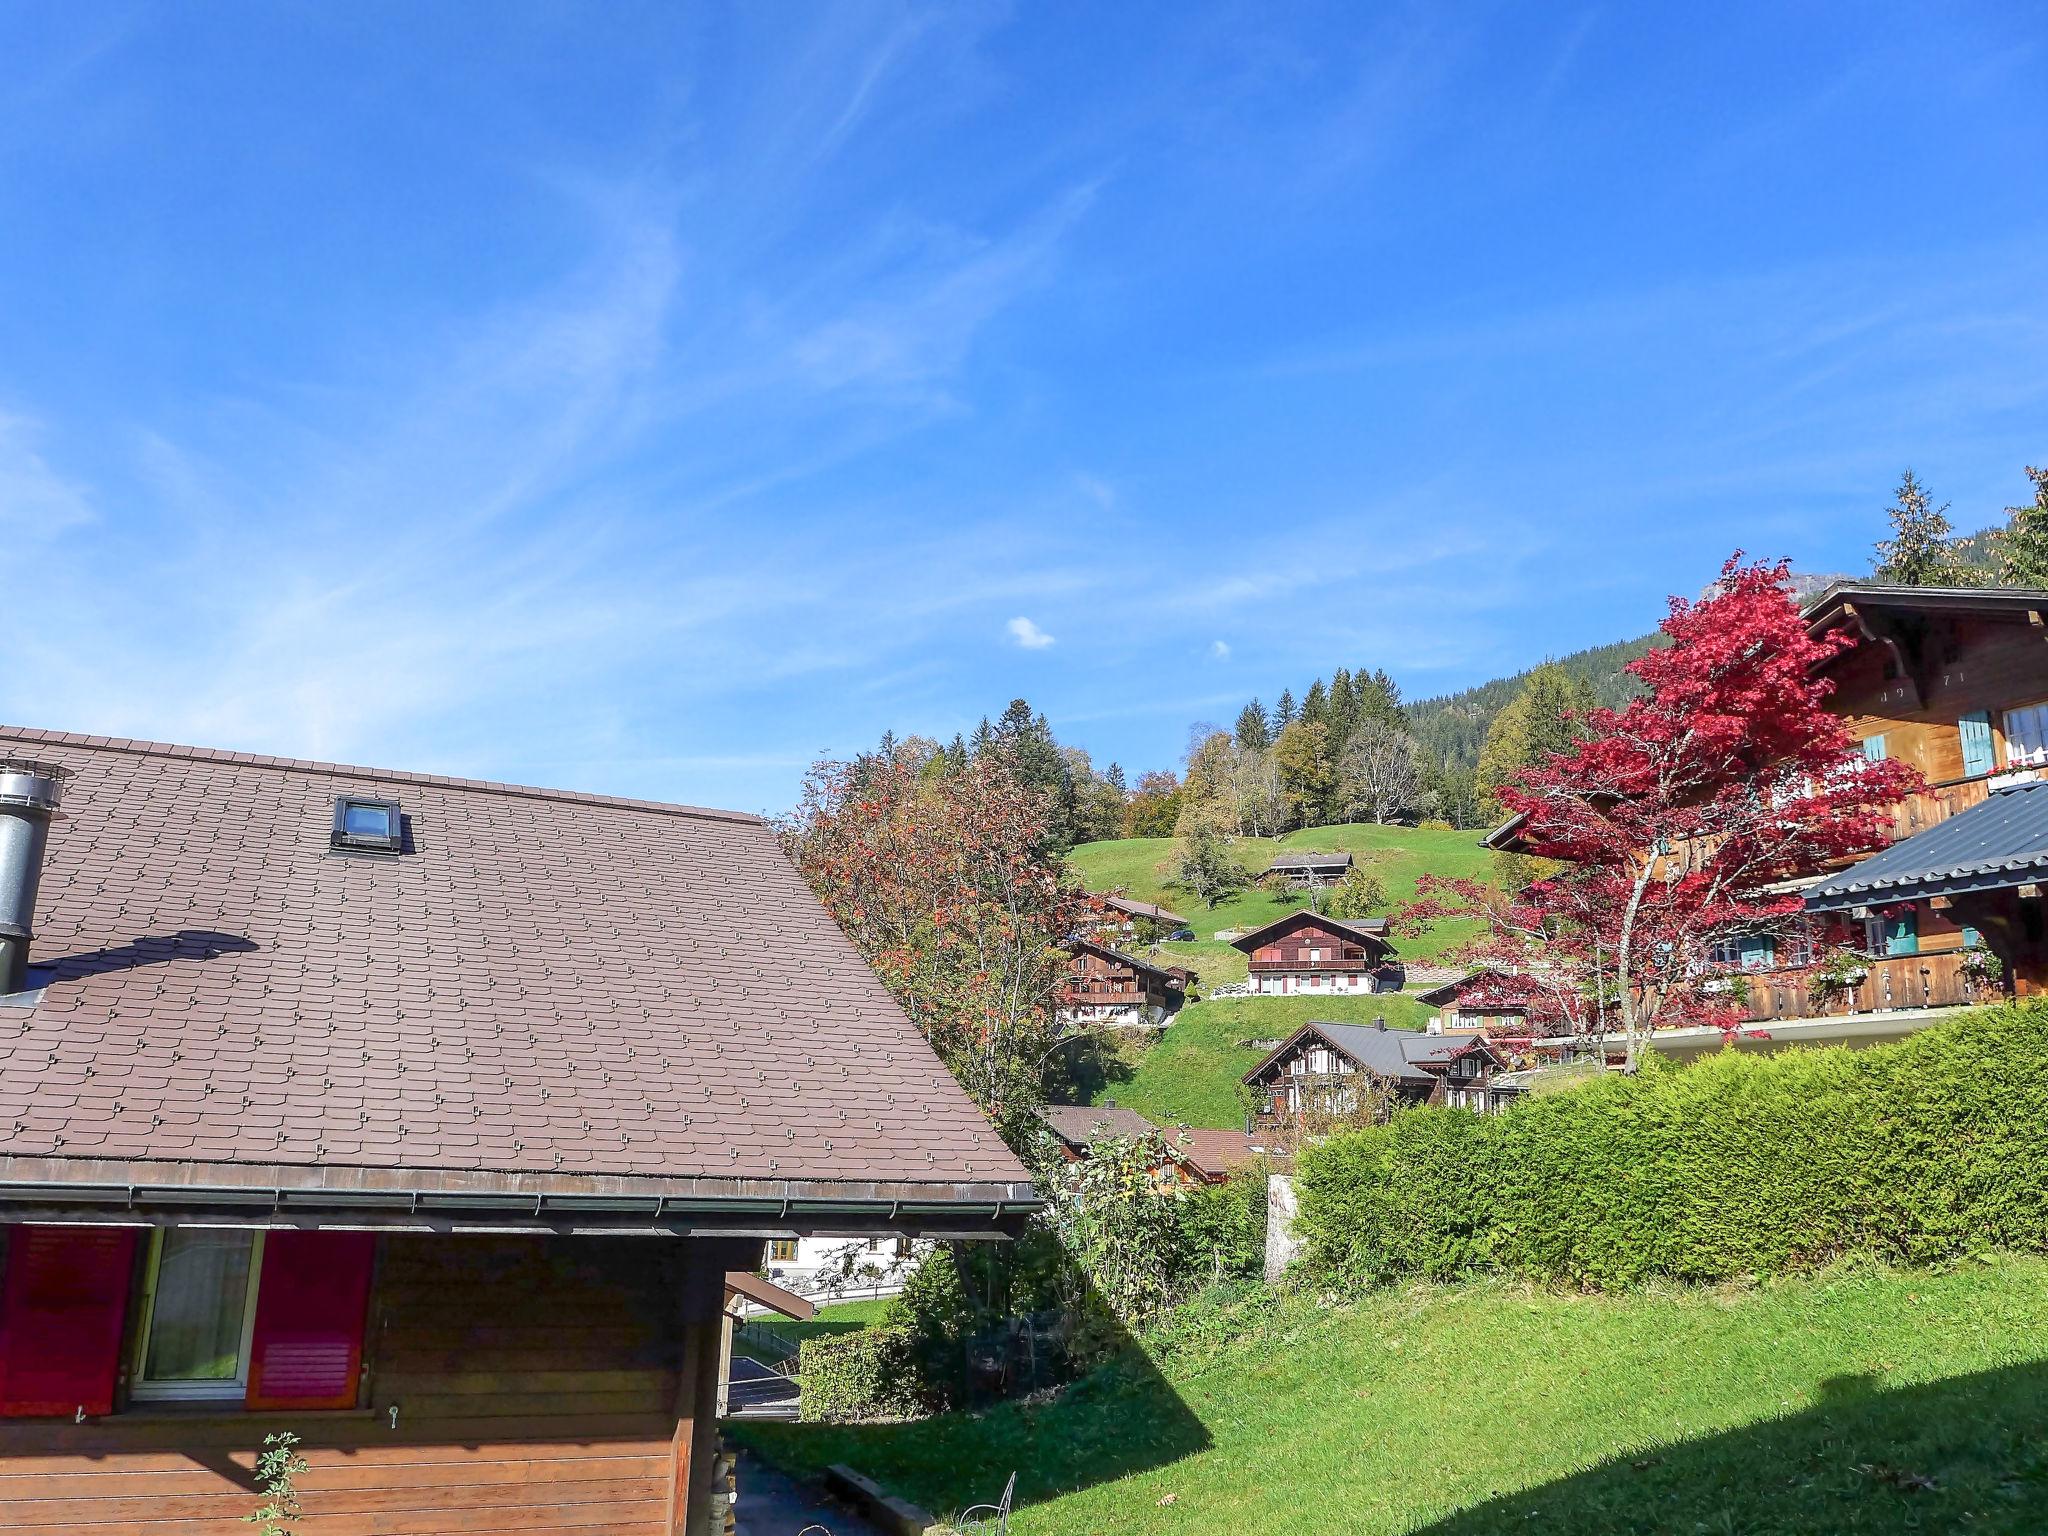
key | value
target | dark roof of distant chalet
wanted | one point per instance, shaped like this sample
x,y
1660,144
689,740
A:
x,y
1831,605
1396,1054
1996,845
1290,860
1371,929
1505,836
1144,909
1079,1124
547,994
1170,972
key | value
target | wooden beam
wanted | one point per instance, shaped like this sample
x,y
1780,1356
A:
x,y
766,1293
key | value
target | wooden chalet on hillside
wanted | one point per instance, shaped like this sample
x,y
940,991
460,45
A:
x,y
1108,986
1488,1000
1307,953
1303,869
1120,920
426,1119
1325,1073
1954,682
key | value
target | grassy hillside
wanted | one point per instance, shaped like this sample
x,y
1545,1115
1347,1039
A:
x,y
1399,856
1189,1076
1869,1401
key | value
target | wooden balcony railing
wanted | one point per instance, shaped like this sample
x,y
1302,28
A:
x,y
1938,802
1938,980
1347,963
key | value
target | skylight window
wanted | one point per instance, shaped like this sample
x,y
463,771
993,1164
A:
x,y
368,826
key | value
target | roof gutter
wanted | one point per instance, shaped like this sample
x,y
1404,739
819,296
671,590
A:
x,y
426,1209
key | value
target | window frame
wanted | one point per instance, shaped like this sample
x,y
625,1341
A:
x,y
776,1242
233,1389
2038,756
356,842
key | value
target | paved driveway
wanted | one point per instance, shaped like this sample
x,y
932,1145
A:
x,y
774,1505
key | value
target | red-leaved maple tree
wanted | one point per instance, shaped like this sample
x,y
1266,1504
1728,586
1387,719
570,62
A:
x,y
1674,817
936,870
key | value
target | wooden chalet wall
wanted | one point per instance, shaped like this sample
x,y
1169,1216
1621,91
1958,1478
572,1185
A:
x,y
1945,667
543,1385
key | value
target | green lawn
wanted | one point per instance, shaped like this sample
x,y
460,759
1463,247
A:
x,y
1864,1401
1189,1075
1398,855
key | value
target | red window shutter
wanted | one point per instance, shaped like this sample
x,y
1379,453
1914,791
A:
x,y
307,1350
63,1307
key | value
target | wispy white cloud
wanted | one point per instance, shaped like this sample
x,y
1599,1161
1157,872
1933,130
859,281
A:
x,y
1027,634
35,501
1220,649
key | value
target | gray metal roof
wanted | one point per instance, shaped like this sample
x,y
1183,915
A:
x,y
1310,860
1989,847
1395,1054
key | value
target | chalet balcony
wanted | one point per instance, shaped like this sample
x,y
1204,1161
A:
x,y
1937,980
1916,813
1347,963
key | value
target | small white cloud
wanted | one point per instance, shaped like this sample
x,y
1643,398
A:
x,y
1028,634
1097,490
1220,649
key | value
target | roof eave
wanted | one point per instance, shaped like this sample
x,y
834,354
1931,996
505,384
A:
x,y
159,1193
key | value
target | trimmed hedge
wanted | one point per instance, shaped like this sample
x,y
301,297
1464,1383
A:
x,y
872,1374
1930,1148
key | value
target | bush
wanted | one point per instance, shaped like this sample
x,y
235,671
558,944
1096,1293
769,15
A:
x,y
867,1375
1932,1148
1221,1229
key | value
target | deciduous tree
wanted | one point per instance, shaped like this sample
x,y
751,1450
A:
x,y
1677,814
1205,868
1380,774
944,885
1302,758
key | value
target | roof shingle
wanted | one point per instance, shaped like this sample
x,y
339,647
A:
x,y
550,982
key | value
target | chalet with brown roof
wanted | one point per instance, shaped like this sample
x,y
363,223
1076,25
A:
x,y
1108,986
1491,1001
426,1118
1305,953
1213,1157
1329,1073
1121,921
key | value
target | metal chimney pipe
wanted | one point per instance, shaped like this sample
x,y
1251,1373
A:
x,y
29,795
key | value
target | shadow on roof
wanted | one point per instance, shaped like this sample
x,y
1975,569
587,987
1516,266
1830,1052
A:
x,y
157,949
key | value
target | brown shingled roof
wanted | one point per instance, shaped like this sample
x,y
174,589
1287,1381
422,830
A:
x,y
550,991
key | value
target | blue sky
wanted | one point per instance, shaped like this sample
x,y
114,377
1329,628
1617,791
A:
x,y
650,398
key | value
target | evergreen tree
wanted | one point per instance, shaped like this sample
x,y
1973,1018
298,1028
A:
x,y
1315,704
1546,717
1378,698
1343,709
2023,545
1283,712
1922,549
1254,732
1114,778
1024,742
